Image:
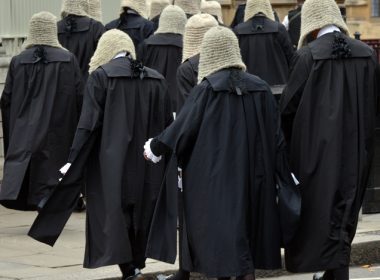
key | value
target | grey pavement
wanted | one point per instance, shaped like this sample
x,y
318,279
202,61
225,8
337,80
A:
x,y
23,258
358,273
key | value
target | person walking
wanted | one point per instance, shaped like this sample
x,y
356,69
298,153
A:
x,y
328,114
40,108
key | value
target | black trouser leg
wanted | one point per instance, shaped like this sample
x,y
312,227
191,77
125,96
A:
x,y
127,269
247,277
337,274
181,274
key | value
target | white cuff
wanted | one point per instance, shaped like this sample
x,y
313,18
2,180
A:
x,y
149,154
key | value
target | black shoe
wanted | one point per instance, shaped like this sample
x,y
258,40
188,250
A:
x,y
137,276
81,205
179,275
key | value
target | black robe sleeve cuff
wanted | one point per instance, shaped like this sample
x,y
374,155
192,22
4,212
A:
x,y
158,148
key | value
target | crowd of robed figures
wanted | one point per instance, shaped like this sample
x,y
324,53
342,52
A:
x,y
254,176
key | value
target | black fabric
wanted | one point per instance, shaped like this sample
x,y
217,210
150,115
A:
x,y
266,49
40,107
294,29
137,27
218,139
80,35
156,21
121,110
328,113
163,52
187,79
337,274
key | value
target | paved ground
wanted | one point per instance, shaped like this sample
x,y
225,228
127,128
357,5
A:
x,y
360,273
23,258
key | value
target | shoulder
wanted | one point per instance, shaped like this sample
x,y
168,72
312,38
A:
x,y
242,26
62,53
360,47
303,53
97,24
113,24
97,76
153,74
185,71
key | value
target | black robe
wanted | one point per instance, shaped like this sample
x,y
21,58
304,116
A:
x,y
187,79
137,27
40,106
266,49
156,21
163,52
328,111
120,113
80,35
294,29
228,146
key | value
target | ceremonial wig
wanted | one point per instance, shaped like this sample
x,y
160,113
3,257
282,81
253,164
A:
x,y
191,7
74,7
95,9
173,20
137,5
255,7
195,29
157,6
219,50
110,44
317,14
43,31
213,8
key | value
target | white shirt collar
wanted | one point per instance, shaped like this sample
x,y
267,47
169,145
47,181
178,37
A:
x,y
328,29
121,54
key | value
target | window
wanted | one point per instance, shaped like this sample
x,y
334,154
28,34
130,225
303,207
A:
x,y
375,8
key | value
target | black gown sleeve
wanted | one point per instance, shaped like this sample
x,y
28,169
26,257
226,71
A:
x,y
181,135
291,97
5,104
92,113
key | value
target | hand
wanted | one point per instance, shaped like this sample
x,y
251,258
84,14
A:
x,y
148,154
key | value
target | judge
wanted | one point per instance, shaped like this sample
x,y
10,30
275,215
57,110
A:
x,y
265,44
125,103
156,8
187,74
328,112
133,21
40,108
79,33
187,79
228,141
163,50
